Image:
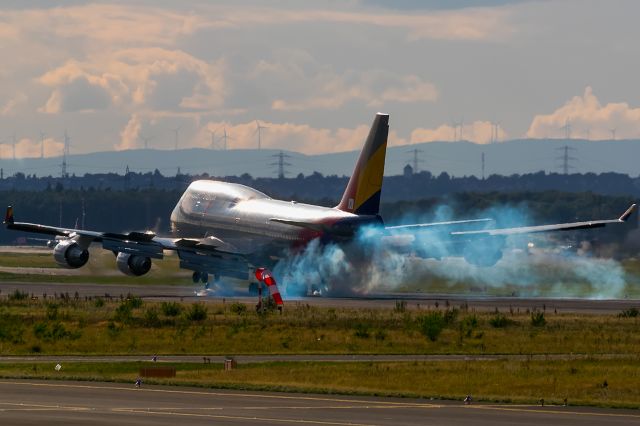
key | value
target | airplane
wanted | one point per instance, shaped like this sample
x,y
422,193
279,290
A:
x,y
227,229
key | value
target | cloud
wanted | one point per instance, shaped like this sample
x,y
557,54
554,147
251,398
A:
x,y
479,132
288,136
587,116
10,107
130,134
136,79
373,88
79,95
468,24
29,148
106,24
440,4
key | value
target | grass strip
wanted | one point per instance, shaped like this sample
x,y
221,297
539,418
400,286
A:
x,y
604,383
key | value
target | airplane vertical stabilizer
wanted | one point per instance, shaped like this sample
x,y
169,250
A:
x,y
362,195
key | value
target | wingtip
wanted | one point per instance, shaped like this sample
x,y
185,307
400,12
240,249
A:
x,y
628,212
8,217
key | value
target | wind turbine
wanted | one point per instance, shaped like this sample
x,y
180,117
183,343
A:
x,y
177,133
258,128
42,135
13,145
567,128
225,137
213,138
145,140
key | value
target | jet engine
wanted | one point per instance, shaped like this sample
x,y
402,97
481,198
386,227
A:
x,y
68,254
133,265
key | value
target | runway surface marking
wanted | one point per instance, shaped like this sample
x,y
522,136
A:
x,y
359,404
213,393
39,407
257,419
375,406
543,410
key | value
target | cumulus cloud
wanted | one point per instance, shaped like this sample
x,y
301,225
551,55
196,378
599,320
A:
x,y
151,78
373,88
130,134
587,116
288,136
479,132
30,148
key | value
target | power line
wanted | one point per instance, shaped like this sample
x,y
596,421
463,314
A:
x,y
566,159
415,160
65,153
281,156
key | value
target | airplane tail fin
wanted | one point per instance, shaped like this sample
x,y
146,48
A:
x,y
8,217
362,195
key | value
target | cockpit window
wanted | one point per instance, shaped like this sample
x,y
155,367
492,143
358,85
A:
x,y
204,197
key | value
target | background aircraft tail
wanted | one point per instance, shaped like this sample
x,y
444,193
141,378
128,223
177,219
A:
x,y
362,195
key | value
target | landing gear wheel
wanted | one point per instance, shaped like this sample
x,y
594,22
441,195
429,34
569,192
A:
x,y
195,277
204,277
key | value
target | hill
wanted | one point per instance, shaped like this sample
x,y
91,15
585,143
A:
x,y
455,158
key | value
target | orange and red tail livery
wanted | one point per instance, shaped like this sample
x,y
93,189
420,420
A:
x,y
8,217
362,196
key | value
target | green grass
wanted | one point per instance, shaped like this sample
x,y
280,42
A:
x,y
582,382
68,326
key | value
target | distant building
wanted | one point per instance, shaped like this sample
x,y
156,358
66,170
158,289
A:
x,y
408,171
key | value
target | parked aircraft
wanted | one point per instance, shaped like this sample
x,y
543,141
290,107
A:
x,y
226,230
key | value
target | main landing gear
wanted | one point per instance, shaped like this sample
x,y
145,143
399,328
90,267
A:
x,y
203,277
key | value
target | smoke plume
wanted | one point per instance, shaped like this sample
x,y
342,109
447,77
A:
x,y
375,263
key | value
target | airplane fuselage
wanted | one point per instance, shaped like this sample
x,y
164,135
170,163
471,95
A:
x,y
243,216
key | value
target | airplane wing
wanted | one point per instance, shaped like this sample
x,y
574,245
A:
x,y
547,228
436,225
209,254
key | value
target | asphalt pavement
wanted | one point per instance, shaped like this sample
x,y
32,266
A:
x,y
24,402
194,293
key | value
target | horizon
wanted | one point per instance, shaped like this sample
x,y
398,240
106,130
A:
x,y
308,77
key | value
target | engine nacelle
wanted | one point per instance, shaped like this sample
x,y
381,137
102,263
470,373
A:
x,y
133,265
68,254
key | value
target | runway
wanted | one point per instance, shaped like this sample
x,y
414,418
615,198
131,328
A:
x,y
25,402
163,292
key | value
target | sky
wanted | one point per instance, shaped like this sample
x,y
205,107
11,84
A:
x,y
118,75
